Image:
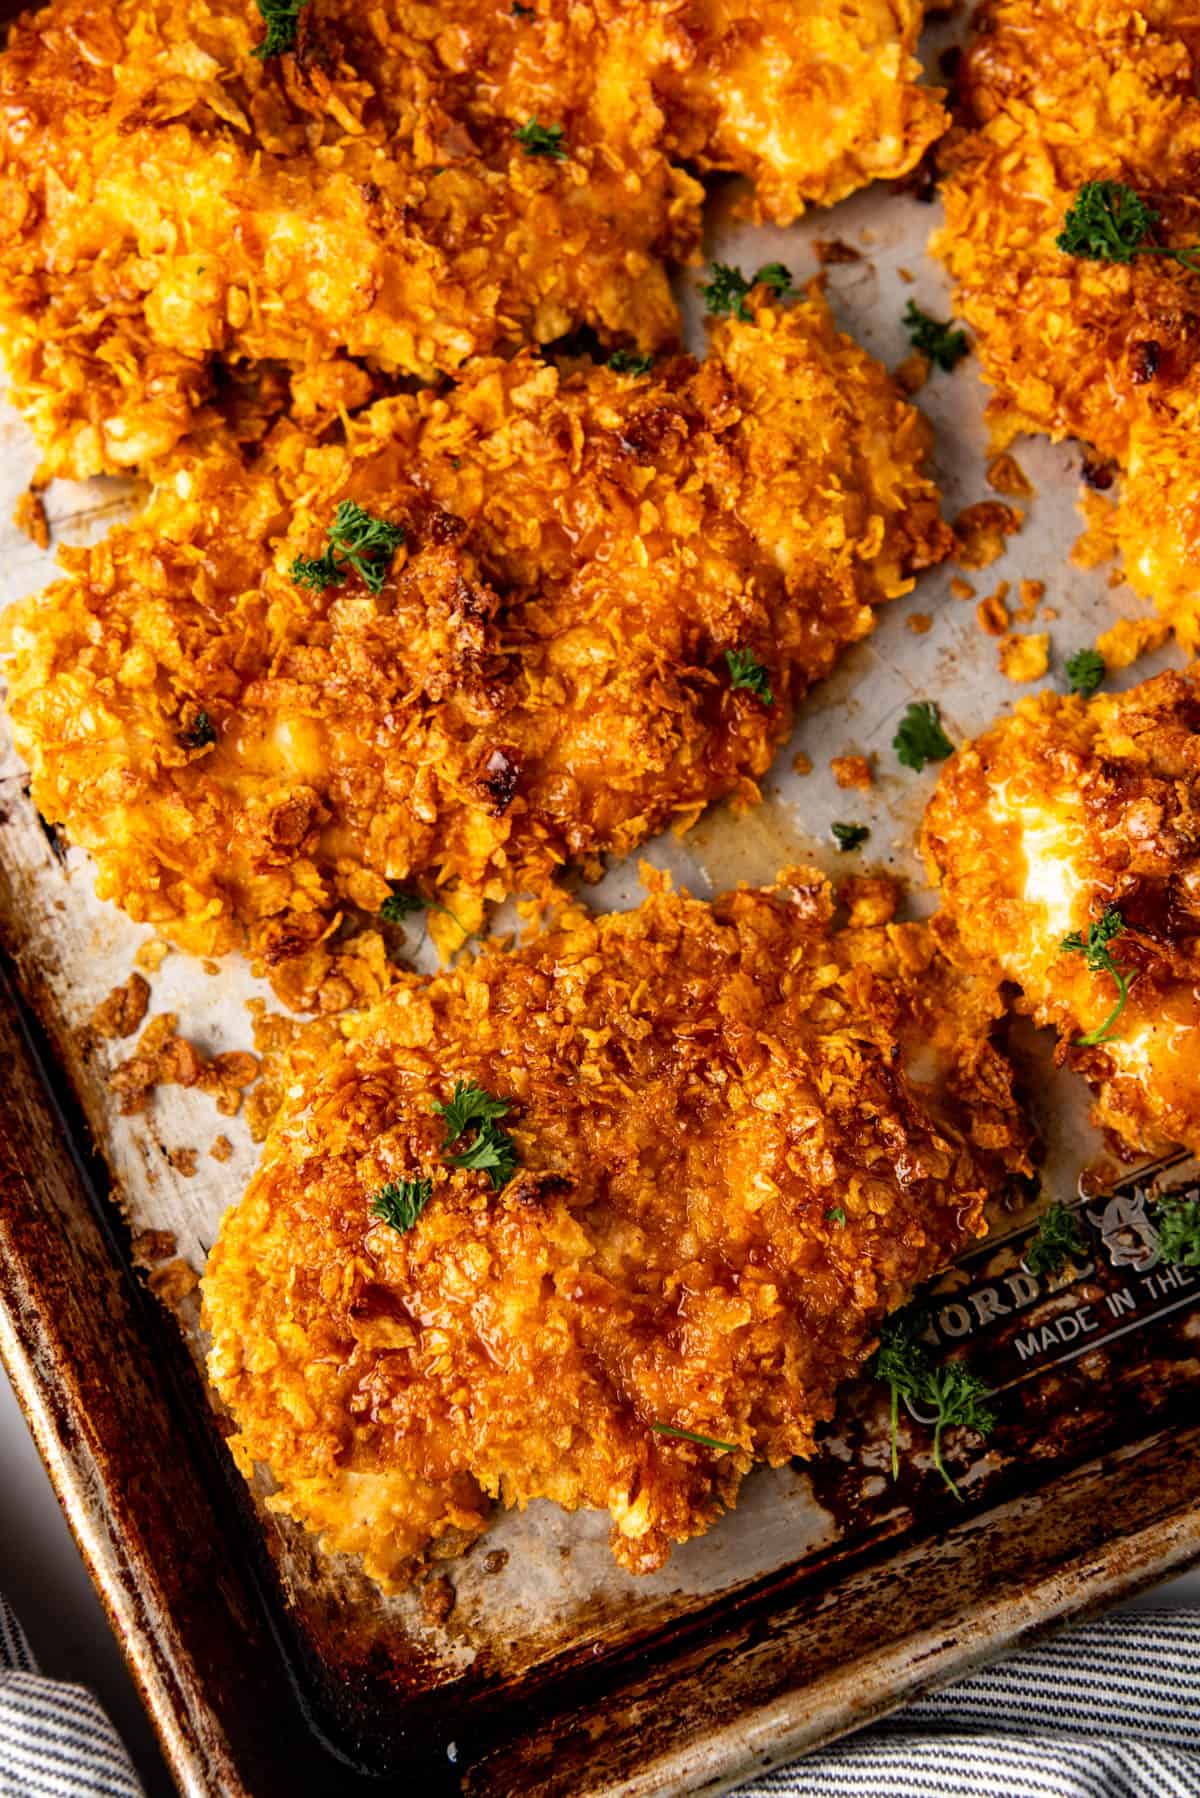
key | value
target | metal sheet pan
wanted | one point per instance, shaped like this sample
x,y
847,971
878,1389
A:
x,y
831,1594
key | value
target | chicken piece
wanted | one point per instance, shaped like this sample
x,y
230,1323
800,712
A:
x,y
545,674
725,1178
168,199
811,101
1060,93
1036,829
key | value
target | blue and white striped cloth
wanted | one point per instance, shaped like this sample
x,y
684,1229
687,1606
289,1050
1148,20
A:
x,y
55,1740
1110,1711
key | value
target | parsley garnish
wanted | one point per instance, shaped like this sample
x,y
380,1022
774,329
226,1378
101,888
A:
x,y
920,738
281,18
541,140
1085,670
401,1202
629,362
1109,222
939,341
849,836
956,1396
400,905
1178,1223
836,1215
745,670
1058,1239
1098,956
667,1429
199,733
727,290
357,540
493,1152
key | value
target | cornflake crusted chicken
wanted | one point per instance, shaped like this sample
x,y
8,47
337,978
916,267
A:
x,y
610,592
724,1179
1077,819
168,197
1060,93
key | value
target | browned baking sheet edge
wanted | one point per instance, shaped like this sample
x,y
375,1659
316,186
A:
x,y
117,1414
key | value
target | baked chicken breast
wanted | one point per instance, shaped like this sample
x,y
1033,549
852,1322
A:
x,y
610,593
410,186
1058,94
1067,843
707,1175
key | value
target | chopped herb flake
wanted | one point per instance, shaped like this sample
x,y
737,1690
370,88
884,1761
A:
x,y
940,341
1085,670
745,670
1178,1222
198,734
282,20
1095,951
956,1396
629,362
1110,222
726,292
493,1152
850,836
357,541
1059,1239
542,140
667,1429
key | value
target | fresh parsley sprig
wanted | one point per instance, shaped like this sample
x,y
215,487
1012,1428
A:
x,y
668,1429
358,542
1085,671
920,737
401,1202
936,338
1178,1223
282,20
956,1396
493,1151
850,836
1058,1240
1109,221
1098,956
745,670
542,140
726,292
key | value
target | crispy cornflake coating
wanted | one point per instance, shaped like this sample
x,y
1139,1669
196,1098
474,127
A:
x,y
1061,92
167,199
543,678
1064,809
743,1138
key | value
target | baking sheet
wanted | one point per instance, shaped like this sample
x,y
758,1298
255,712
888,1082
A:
x,y
541,1581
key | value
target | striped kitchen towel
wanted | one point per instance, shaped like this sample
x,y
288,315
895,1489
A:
x,y
55,1740
1111,1710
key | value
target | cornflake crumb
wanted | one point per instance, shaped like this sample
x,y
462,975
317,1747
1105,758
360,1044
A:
x,y
852,771
183,1161
980,531
164,1058
222,1149
173,1282
151,955
1130,638
495,1560
801,763
1097,544
1005,475
911,374
906,275
153,1245
833,249
1025,658
1031,593
919,623
211,967
437,1600
29,516
123,1010
992,612
961,589
1050,614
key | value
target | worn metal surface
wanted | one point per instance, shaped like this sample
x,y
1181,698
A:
x,y
831,1593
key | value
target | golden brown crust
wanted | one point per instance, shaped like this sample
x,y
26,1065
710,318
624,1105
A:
x,y
1035,828
727,1177
1057,93
542,679
168,199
